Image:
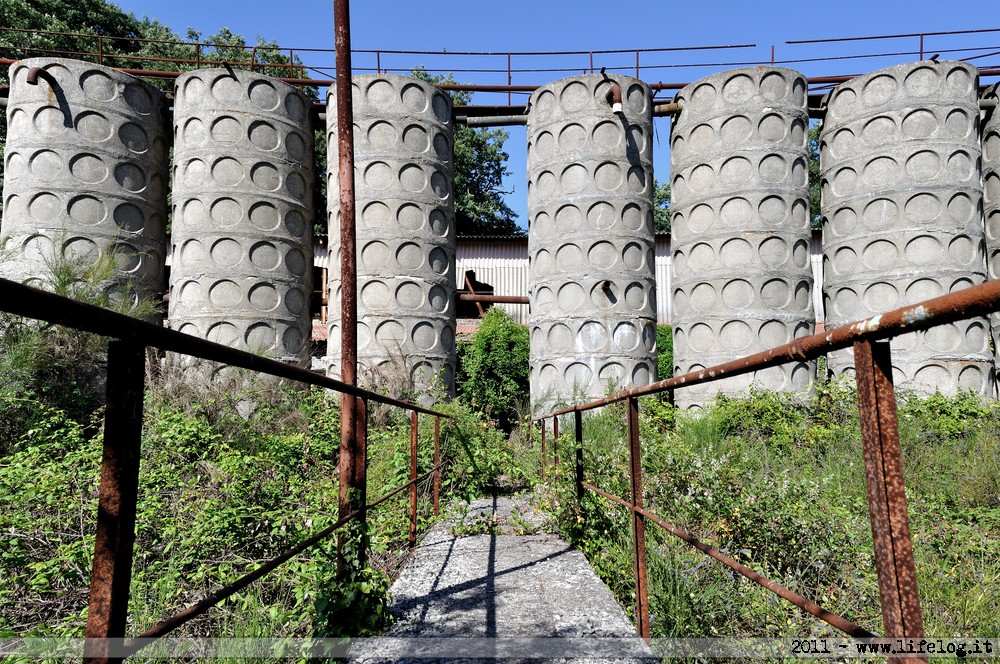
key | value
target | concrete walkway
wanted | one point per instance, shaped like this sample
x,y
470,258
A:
x,y
491,583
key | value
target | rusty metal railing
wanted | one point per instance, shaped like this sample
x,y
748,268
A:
x,y
898,593
118,493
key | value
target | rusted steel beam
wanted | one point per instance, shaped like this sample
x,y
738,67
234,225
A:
x,y
973,301
437,464
498,299
34,303
472,292
111,576
832,619
167,625
542,465
414,425
555,441
638,522
897,578
578,420
351,436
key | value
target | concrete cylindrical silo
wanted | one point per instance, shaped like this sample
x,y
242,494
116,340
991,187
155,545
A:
x,y
242,199
85,178
991,192
902,213
590,201
740,227
405,233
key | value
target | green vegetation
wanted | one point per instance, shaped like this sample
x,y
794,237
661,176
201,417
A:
x,y
664,352
778,483
494,369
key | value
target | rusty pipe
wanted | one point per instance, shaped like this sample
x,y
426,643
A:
x,y
670,108
36,73
498,299
832,619
614,97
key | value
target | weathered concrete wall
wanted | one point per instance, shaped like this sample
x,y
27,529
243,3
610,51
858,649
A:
x,y
740,201
590,183
405,232
991,194
242,224
902,211
85,180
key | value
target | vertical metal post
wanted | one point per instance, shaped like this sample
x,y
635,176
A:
x,y
118,494
772,54
353,438
638,521
637,63
591,62
100,50
921,47
555,441
437,463
578,421
897,579
413,479
378,62
508,78
542,466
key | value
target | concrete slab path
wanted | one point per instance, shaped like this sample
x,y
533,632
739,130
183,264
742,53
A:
x,y
493,582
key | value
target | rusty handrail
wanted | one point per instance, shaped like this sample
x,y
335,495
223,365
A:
x,y
973,301
42,305
886,496
830,618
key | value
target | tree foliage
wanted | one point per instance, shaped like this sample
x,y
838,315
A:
x,y
815,190
661,207
496,368
480,166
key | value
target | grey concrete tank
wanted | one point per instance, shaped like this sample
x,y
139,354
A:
x,y
242,204
902,213
590,246
991,192
740,227
85,178
405,233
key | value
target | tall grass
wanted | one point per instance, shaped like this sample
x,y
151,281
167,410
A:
x,y
777,482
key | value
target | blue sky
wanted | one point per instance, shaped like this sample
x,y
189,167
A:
x,y
586,25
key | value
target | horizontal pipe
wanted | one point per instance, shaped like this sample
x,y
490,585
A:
x,y
974,301
832,619
492,120
499,299
671,108
42,305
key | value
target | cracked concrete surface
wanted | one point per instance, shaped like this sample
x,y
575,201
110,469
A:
x,y
474,588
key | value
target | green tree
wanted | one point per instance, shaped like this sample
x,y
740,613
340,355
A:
x,y
480,166
496,369
661,207
815,190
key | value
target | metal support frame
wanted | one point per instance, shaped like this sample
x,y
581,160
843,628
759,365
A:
x,y
578,421
414,430
112,571
555,441
638,521
897,578
542,465
437,464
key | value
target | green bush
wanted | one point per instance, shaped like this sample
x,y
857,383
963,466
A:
x,y
664,352
496,370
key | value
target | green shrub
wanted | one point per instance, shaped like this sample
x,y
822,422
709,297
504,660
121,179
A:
x,y
496,368
664,352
